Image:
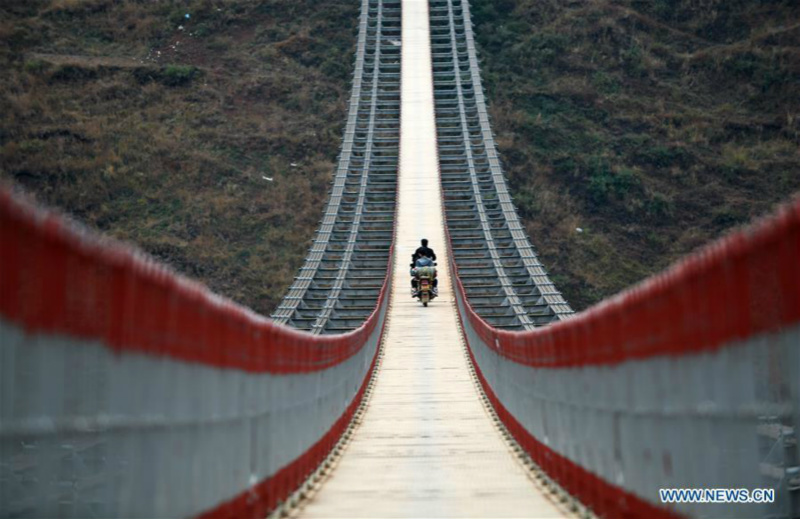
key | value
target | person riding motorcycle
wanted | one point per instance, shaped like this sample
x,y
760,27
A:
x,y
425,251
422,257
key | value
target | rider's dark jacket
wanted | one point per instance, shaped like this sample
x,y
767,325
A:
x,y
423,251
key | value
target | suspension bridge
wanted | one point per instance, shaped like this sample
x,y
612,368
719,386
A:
x,y
129,391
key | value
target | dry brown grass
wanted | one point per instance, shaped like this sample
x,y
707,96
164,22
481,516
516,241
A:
x,y
654,126
161,136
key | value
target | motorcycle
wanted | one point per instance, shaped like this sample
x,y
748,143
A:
x,y
425,276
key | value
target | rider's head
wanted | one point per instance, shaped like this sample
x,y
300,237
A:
x,y
424,242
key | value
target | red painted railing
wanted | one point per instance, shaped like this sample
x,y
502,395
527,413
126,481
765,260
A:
x,y
745,284
59,280
738,289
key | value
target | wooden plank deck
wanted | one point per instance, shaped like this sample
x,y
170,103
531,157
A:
x,y
426,447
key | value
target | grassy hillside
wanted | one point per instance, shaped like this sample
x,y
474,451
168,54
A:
x,y
653,126
158,128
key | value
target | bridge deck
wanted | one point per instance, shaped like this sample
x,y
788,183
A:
x,y
426,447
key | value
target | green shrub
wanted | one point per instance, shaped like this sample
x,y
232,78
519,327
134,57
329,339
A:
x,y
336,68
178,75
31,146
526,203
728,216
774,75
201,30
36,66
659,206
544,48
604,183
605,83
73,73
664,156
633,61
742,65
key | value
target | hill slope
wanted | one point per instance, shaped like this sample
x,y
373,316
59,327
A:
x,y
653,126
158,128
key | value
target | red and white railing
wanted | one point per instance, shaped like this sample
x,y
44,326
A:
x,y
129,391
689,380
126,390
